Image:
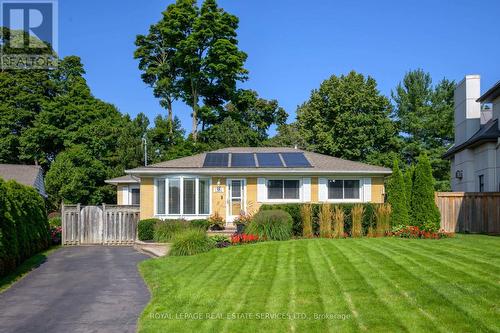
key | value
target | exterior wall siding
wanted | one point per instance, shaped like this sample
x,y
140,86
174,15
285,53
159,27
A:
x,y
314,190
219,199
147,198
378,190
119,195
252,204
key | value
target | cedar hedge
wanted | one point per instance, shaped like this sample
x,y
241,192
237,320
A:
x,y
24,228
294,210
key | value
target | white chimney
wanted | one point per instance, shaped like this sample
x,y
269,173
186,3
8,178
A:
x,y
467,110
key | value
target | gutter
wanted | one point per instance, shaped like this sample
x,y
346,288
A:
x,y
219,172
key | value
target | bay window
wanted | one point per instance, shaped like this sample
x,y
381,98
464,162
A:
x,y
283,189
182,196
340,189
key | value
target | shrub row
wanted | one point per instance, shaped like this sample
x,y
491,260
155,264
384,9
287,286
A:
x,y
271,225
24,228
295,209
164,231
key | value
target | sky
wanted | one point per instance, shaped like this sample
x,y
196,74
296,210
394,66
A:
x,y
292,45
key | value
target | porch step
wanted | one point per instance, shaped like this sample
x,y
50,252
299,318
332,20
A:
x,y
226,232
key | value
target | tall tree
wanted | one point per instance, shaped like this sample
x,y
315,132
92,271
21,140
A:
x,y
210,60
425,213
408,178
347,117
424,116
396,196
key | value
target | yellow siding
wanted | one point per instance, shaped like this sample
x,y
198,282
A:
x,y
314,189
219,199
147,198
377,189
119,195
252,204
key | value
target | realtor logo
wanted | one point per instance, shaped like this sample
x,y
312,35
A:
x,y
29,33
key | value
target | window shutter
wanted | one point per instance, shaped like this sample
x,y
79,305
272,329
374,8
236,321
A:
x,y
306,189
261,190
323,189
367,189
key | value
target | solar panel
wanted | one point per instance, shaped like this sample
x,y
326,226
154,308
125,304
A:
x,y
269,160
295,160
242,160
216,160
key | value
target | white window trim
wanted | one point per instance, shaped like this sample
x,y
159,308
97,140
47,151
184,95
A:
x,y
181,215
301,189
361,190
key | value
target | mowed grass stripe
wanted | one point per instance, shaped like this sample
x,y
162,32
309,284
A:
x,y
259,282
403,306
482,252
458,304
345,294
373,311
474,269
331,290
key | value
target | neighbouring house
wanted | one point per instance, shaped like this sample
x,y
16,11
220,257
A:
x,y
475,156
30,175
128,190
232,181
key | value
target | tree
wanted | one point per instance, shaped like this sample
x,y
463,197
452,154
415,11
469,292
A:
x,y
288,135
210,61
424,117
408,178
347,117
396,196
425,213
77,177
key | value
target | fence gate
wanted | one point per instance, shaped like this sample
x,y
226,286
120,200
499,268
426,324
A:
x,y
106,224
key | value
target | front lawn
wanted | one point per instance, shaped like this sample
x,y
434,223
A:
x,y
319,285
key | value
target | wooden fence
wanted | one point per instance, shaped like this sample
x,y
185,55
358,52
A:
x,y
469,212
106,224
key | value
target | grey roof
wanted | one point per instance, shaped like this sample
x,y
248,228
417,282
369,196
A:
x,y
488,132
320,164
30,175
491,94
127,179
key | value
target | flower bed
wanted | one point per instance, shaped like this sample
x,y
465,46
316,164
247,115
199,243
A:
x,y
415,232
243,238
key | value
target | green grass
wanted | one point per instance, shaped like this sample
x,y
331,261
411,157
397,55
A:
x,y
27,266
373,285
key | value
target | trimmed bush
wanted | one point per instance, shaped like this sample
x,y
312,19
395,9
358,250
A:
x,y
24,228
408,178
271,225
203,224
166,230
190,242
306,215
55,221
146,229
325,221
425,213
396,196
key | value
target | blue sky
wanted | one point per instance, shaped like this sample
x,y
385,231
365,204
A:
x,y
293,46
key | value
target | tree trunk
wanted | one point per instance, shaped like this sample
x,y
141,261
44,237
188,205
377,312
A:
x,y
170,116
194,131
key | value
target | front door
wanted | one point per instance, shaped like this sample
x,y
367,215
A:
x,y
236,199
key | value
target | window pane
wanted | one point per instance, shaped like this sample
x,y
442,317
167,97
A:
x,y
335,189
174,193
275,189
160,196
204,196
189,196
351,189
136,196
236,188
292,188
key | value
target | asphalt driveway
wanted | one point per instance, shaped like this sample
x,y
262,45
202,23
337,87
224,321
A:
x,y
78,289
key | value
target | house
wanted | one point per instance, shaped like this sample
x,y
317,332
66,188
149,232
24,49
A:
x,y
230,181
128,190
475,156
30,175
